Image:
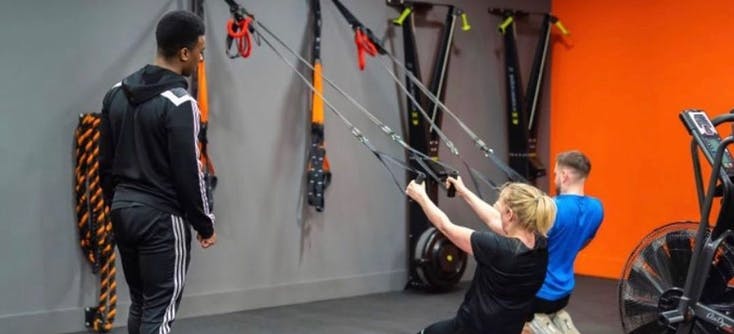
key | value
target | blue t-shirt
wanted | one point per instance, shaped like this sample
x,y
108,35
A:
x,y
577,220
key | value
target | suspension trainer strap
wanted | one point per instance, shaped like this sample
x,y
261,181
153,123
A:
x,y
422,142
488,152
382,157
481,145
382,126
319,171
199,88
202,97
93,222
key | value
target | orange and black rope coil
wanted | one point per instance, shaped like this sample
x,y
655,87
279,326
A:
x,y
93,222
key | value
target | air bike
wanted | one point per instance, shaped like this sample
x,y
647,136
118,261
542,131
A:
x,y
680,278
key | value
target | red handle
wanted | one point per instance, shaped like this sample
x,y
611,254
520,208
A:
x,y
364,45
241,34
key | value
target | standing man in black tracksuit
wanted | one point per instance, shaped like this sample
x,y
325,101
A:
x,y
152,175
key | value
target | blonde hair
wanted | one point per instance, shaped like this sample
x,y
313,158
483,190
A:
x,y
535,211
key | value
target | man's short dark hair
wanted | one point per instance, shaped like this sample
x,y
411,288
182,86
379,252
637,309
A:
x,y
576,161
177,30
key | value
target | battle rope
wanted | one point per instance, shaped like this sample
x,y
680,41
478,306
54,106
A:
x,y
93,222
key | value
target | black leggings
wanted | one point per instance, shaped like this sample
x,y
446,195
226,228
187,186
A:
x,y
544,306
450,326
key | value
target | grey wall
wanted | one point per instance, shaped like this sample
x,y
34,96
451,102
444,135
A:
x,y
59,58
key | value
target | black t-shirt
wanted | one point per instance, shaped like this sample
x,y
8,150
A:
x,y
507,277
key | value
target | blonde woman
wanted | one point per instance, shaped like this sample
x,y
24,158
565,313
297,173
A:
x,y
511,257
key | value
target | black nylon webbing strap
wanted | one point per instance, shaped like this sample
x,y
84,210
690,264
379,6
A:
x,y
318,174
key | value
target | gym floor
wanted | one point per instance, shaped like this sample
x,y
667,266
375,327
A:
x,y
593,308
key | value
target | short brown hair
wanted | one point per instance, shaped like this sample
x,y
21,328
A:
x,y
576,161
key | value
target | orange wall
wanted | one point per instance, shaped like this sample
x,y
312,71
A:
x,y
617,86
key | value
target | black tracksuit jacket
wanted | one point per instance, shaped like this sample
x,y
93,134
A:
x,y
149,151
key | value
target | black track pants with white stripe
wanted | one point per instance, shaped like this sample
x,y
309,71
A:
x,y
154,248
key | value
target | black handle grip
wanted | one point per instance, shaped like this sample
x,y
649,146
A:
x,y
420,178
451,191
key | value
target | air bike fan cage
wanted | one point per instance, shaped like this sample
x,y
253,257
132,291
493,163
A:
x,y
680,278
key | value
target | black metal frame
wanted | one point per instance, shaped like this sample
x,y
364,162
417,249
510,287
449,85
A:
x,y
522,112
420,134
689,307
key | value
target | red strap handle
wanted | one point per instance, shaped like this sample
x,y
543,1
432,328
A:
x,y
364,45
240,32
